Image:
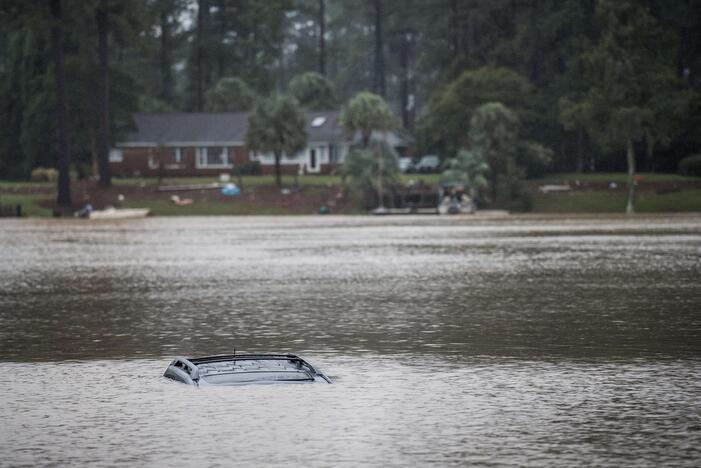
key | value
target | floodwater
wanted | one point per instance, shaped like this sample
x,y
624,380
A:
x,y
529,341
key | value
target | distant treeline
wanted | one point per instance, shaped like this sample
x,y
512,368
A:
x,y
586,78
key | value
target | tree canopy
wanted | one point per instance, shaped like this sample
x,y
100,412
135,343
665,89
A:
x,y
632,90
365,113
369,170
230,94
452,107
313,91
470,168
434,62
494,134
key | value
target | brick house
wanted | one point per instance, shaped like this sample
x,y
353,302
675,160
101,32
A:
x,y
209,143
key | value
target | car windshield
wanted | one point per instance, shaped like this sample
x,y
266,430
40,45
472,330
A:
x,y
232,378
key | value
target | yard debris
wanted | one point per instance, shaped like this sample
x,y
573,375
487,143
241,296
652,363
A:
x,y
554,188
182,188
230,190
181,201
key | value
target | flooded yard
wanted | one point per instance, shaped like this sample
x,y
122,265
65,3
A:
x,y
521,341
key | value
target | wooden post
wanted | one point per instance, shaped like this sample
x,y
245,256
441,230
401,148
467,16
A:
x,y
630,153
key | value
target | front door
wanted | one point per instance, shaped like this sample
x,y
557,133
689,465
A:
x,y
313,160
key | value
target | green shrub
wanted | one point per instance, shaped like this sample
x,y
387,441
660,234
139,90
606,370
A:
x,y
249,168
44,174
691,165
512,191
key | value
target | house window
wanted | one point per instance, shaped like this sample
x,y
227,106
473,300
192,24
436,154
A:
x,y
116,156
333,153
169,158
213,156
263,158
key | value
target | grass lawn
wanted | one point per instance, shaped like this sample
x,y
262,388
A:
x,y
618,177
615,202
323,180
30,203
31,194
10,185
252,181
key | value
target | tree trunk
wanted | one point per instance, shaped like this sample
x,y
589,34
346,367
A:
x,y
165,60
103,106
278,178
630,153
454,28
379,84
649,153
161,164
580,150
64,157
366,133
202,14
535,59
221,58
322,39
468,44
94,171
407,102
380,170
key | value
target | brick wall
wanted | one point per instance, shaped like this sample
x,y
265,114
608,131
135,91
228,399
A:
x,y
144,161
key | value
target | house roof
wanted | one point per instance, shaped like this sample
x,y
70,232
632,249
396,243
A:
x,y
171,128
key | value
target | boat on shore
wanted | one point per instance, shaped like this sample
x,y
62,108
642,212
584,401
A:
x,y
119,213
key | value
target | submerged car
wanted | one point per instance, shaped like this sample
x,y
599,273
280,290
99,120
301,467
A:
x,y
242,369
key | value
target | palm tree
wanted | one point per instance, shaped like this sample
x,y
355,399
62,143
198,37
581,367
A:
x,y
277,125
469,168
370,113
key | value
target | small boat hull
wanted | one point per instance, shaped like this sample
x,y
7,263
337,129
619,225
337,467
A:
x,y
119,213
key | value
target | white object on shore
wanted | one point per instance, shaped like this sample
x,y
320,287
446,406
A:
x,y
554,188
182,188
119,213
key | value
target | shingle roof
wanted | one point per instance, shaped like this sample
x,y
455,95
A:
x,y
216,127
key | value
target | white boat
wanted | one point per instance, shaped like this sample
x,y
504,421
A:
x,y
119,213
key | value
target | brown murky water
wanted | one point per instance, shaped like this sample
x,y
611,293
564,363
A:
x,y
527,341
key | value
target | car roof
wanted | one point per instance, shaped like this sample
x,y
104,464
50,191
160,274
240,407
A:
x,y
249,365
242,368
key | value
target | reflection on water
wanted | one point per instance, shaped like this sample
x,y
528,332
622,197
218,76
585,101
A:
x,y
521,341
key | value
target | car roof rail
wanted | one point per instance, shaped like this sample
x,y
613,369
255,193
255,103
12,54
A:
x,y
242,357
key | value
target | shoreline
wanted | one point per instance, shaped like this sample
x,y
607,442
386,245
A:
x,y
310,195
